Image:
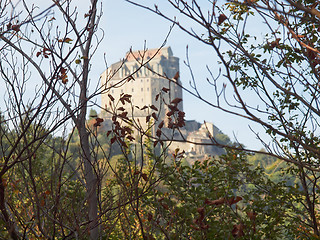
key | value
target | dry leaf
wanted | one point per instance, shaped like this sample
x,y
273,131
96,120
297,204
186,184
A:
x,y
176,76
221,19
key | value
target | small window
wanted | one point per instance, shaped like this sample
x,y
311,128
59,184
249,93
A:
x,y
132,89
147,80
112,91
141,99
147,89
141,89
121,90
141,80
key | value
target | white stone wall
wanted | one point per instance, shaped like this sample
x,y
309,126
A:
x,y
144,84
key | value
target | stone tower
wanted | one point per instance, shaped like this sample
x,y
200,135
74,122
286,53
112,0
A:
x,y
140,75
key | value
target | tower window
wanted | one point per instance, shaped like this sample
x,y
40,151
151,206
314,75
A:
x,y
141,89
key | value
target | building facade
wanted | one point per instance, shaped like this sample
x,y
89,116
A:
x,y
150,81
142,75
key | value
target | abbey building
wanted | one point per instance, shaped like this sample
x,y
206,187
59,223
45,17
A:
x,y
142,88
143,75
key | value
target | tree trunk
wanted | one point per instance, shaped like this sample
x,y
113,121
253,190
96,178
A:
x,y
91,182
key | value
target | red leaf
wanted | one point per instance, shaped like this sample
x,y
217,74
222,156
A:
x,y
154,115
237,230
153,107
130,78
170,113
176,100
176,76
155,143
234,200
111,97
252,215
113,139
181,114
144,176
66,40
200,210
15,28
123,144
275,43
64,79
158,133
173,108
99,120
148,118
127,96
161,124
130,138
165,89
108,133
195,227
63,75
165,206
204,226
221,19
217,202
123,115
